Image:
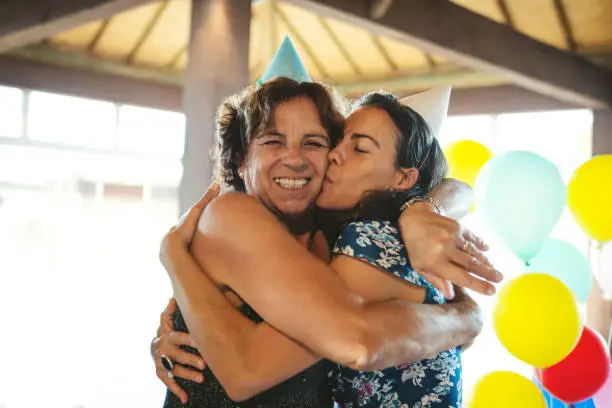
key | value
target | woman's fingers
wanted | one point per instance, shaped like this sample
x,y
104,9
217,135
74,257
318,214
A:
x,y
171,384
441,284
165,319
461,273
188,222
475,239
169,345
467,255
187,374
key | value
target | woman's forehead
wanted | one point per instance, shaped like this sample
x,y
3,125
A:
x,y
372,118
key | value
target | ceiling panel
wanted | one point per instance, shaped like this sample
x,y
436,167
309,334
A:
x,y
591,22
538,19
168,36
123,32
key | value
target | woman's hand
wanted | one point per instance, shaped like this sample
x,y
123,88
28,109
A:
x,y
168,342
444,252
181,235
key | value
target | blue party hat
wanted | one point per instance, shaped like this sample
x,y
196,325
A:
x,y
286,63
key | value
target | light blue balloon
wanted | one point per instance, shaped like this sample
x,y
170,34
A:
x,y
521,195
286,63
563,261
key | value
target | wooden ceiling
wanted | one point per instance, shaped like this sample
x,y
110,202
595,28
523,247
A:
x,y
151,40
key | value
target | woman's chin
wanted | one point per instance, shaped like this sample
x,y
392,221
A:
x,y
328,203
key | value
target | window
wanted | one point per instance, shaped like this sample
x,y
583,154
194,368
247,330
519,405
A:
x,y
11,112
151,131
70,120
479,128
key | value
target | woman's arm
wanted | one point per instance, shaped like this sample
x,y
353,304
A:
x,y
296,293
246,358
455,198
441,249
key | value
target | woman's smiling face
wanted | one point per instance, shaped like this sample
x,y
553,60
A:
x,y
286,163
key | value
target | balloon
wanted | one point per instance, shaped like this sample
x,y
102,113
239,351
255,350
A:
x,y
557,403
563,261
504,389
590,197
536,319
581,374
603,398
465,159
521,195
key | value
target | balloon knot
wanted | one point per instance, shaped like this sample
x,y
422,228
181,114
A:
x,y
527,264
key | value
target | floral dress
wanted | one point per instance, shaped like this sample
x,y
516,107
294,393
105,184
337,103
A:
x,y
434,382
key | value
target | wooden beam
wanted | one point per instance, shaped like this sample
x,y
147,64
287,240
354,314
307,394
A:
x,y
410,82
89,84
502,99
96,85
85,61
381,49
602,134
565,26
161,8
303,43
332,35
503,8
380,7
443,28
28,23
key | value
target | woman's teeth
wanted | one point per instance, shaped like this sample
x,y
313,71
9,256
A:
x,y
291,183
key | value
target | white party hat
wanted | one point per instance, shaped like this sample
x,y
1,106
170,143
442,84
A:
x,y
432,105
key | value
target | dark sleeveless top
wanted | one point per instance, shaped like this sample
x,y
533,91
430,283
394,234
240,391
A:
x,y
308,389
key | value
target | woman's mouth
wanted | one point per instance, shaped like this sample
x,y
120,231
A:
x,y
292,183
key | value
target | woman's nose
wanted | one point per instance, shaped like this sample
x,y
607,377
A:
x,y
295,160
334,156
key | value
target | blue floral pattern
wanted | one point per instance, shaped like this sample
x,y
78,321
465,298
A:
x,y
429,383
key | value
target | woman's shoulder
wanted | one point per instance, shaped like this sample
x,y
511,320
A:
x,y
370,238
234,211
231,201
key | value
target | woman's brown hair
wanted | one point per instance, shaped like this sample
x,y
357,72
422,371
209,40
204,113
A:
x,y
246,115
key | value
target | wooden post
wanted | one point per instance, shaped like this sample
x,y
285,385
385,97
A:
x,y
218,67
599,309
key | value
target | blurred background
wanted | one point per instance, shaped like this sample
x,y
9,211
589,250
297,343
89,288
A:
x,y
106,117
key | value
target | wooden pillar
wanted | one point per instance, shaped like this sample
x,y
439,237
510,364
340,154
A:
x,y
599,309
218,67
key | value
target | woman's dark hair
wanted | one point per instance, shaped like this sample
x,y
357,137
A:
x,y
249,113
416,148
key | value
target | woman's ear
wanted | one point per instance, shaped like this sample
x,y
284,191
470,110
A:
x,y
406,178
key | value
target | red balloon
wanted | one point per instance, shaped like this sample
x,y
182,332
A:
x,y
581,374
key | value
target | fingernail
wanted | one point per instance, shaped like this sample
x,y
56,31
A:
x,y
198,378
201,365
499,276
490,290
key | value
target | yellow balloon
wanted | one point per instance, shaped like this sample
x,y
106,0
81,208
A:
x,y
537,320
590,197
504,389
465,160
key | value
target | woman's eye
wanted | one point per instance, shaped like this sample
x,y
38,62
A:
x,y
271,142
358,150
315,144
